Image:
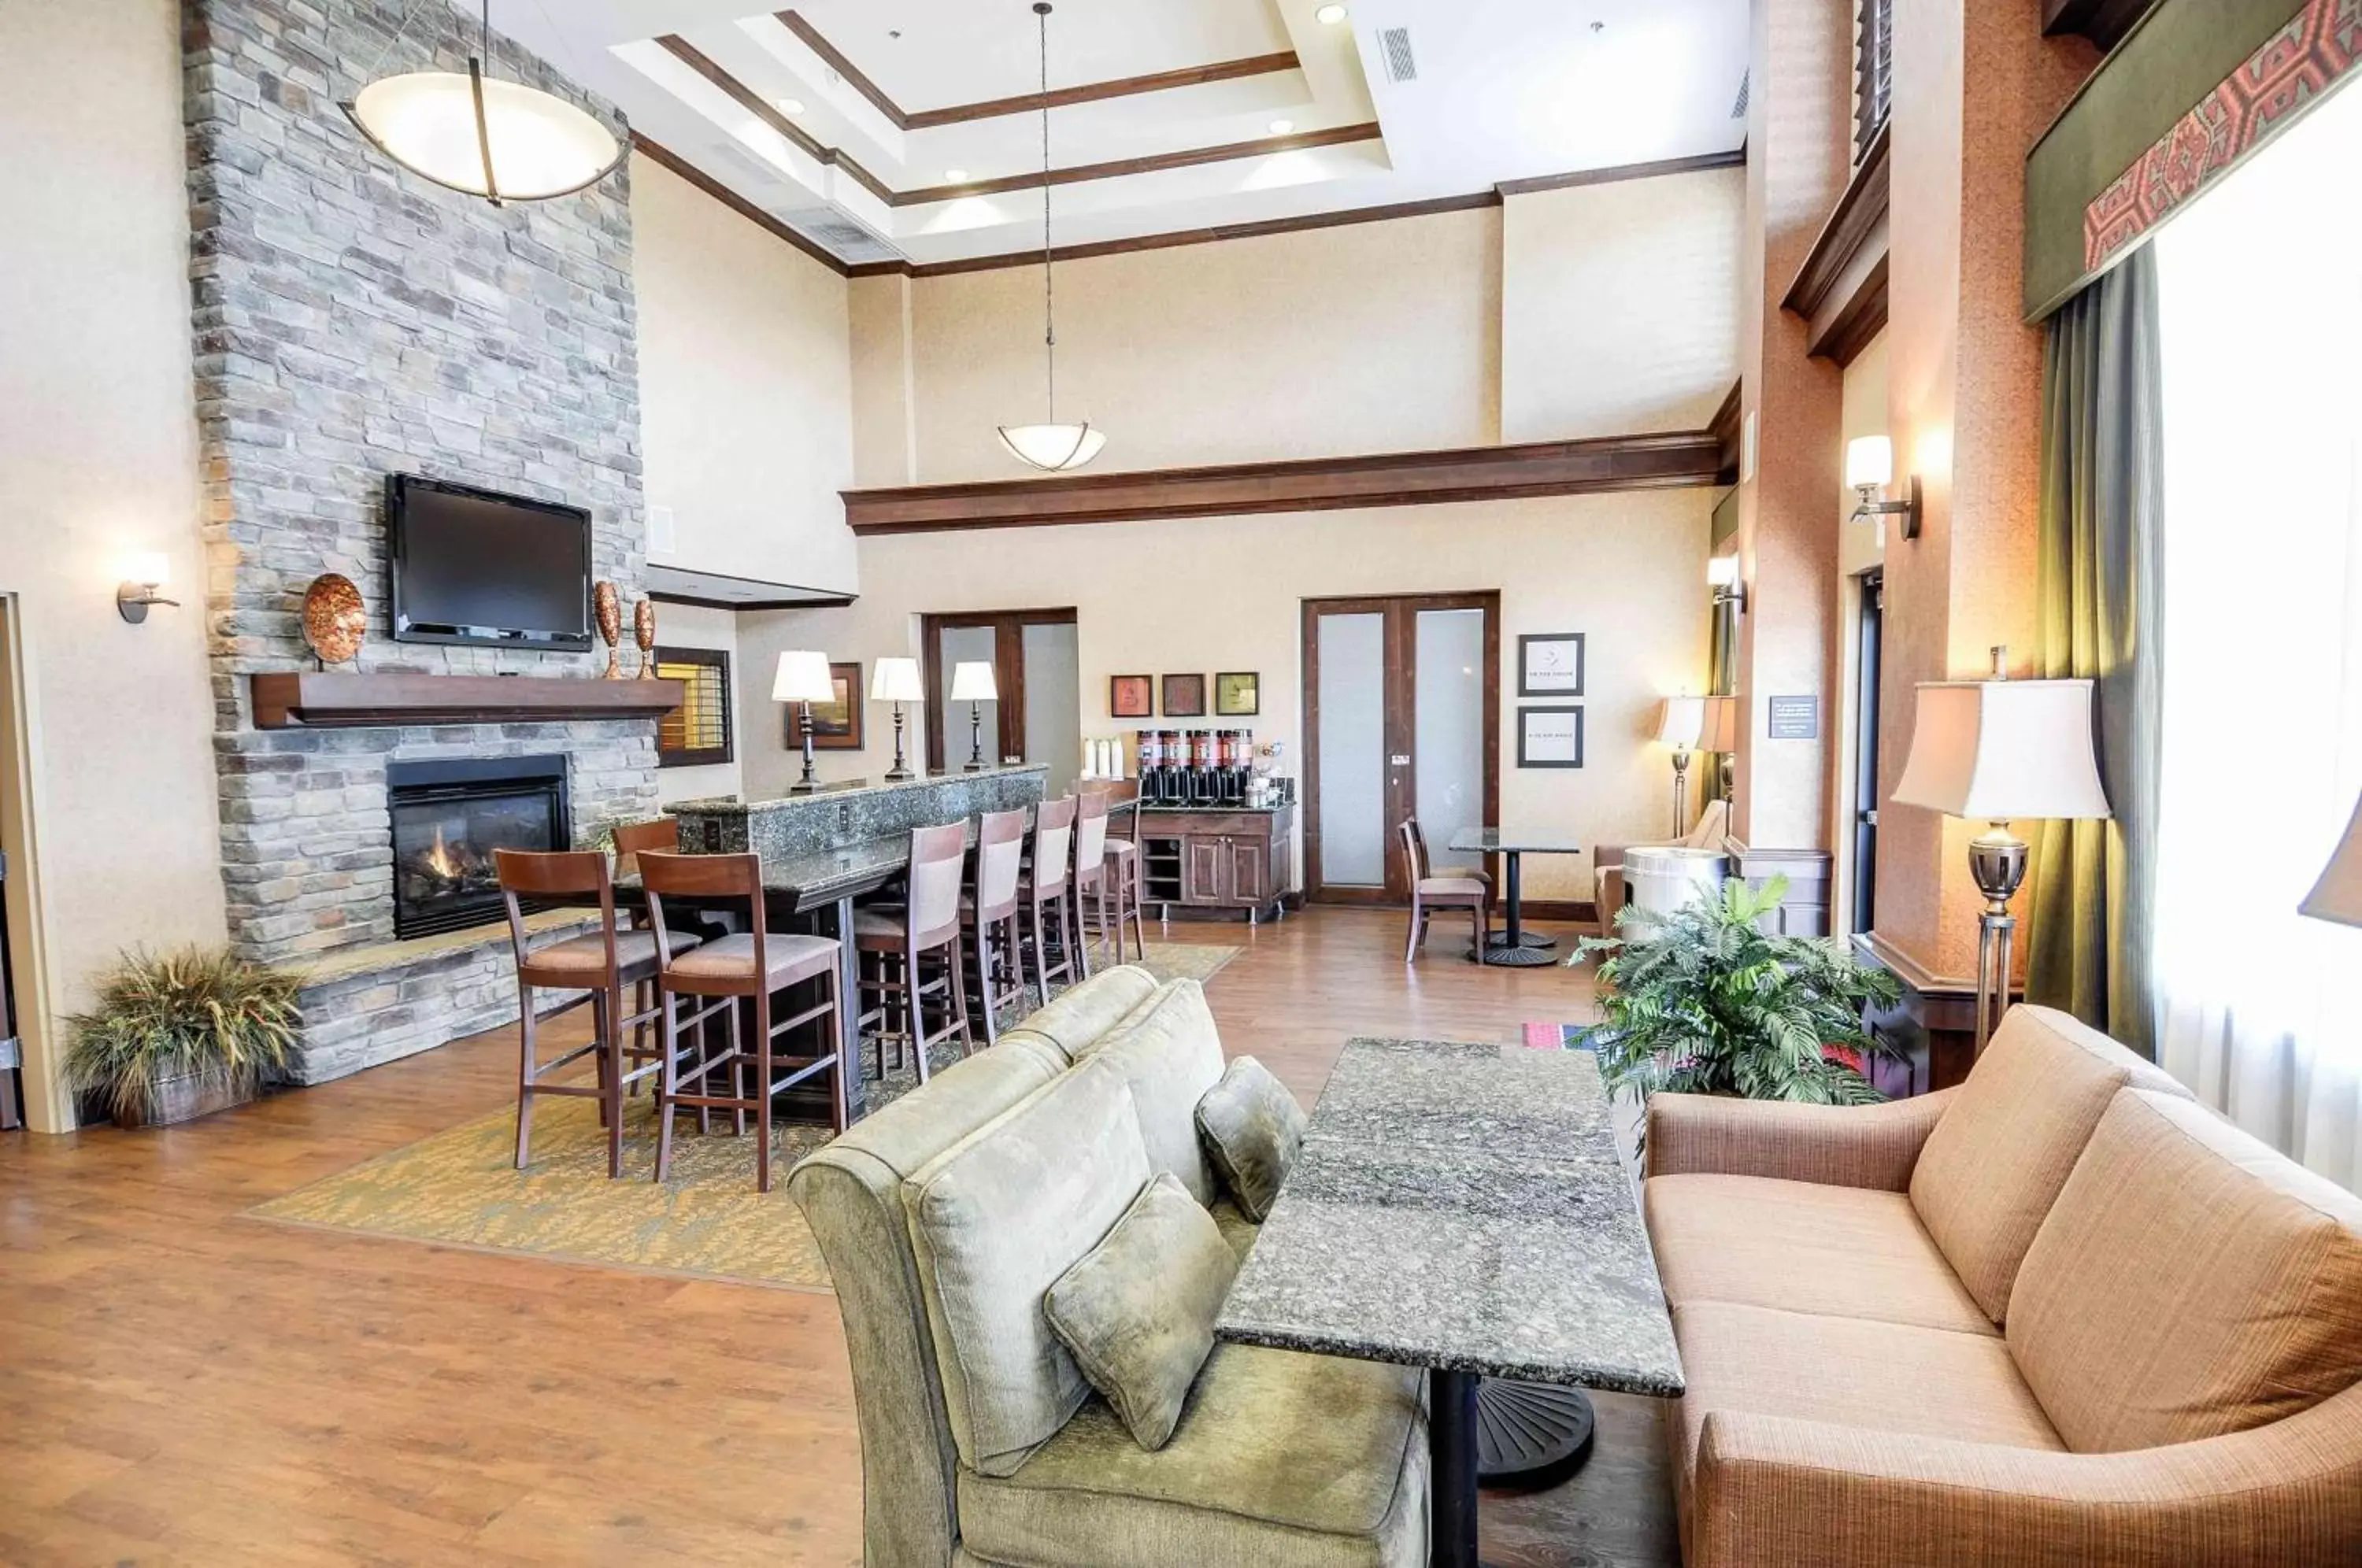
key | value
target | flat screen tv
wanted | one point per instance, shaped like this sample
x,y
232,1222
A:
x,y
472,566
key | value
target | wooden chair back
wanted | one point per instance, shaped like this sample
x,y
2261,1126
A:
x,y
658,832
1123,815
938,855
670,874
1054,830
1000,851
1414,850
549,874
1090,833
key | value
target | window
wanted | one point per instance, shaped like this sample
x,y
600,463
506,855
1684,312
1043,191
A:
x,y
1873,73
698,732
2260,686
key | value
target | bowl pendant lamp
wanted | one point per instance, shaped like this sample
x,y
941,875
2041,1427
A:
x,y
1051,446
501,140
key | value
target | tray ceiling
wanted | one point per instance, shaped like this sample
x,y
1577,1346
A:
x,y
887,130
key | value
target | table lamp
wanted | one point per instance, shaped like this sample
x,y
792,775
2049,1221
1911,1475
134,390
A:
x,y
803,678
972,684
896,680
1680,721
2000,751
2338,894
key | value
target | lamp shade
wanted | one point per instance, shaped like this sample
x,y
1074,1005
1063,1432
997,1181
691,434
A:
x,y
1053,448
2003,750
1680,721
1722,571
972,682
2338,895
803,678
1870,462
896,681
497,140
1720,730
150,569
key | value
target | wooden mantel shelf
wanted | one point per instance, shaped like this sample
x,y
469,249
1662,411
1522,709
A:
x,y
308,700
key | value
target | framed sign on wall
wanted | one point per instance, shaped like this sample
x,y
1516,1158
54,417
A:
x,y
1550,664
1550,737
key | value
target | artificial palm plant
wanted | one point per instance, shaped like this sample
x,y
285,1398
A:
x,y
1709,1002
192,1014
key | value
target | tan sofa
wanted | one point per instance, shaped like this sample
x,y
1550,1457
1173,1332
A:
x,y
1278,1459
2059,1315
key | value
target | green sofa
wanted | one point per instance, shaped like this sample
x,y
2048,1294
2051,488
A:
x,y
1279,1458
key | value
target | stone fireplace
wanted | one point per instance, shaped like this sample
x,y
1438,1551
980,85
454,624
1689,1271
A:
x,y
448,820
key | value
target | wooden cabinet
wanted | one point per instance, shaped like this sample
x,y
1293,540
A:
x,y
1218,862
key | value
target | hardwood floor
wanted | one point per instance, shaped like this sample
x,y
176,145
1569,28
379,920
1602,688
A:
x,y
181,1385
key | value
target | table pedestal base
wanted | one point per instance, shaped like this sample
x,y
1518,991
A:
x,y
1518,957
1452,1424
1530,1435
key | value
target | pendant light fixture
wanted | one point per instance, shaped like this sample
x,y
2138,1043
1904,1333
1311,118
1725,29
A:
x,y
1049,446
502,140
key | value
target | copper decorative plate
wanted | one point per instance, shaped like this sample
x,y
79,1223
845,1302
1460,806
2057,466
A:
x,y
335,618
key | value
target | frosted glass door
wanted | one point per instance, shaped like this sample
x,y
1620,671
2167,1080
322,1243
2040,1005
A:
x,y
1054,704
1448,749
1352,750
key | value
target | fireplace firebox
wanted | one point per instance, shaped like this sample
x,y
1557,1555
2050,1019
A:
x,y
448,818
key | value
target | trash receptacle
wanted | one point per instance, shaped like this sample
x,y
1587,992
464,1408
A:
x,y
1662,879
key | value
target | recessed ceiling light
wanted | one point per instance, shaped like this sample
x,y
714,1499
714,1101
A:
x,y
789,105
957,176
1281,128
1330,15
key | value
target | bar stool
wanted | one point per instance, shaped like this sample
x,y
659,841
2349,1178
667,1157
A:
x,y
1092,876
599,964
630,838
1047,882
752,965
1123,868
890,944
988,909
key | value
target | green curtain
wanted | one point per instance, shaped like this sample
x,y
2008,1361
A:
x,y
2099,582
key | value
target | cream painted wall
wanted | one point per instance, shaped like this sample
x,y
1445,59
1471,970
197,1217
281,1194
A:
x,y
695,626
746,391
1226,594
1367,337
1619,305
99,460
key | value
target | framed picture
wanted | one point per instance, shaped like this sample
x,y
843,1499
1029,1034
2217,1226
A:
x,y
1185,696
1132,697
1238,694
1550,737
1550,664
837,724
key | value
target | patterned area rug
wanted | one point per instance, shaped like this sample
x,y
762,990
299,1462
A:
x,y
460,1187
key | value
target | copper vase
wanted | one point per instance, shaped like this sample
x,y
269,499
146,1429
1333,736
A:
x,y
644,632
609,610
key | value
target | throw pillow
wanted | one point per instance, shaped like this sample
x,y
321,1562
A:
x,y
1137,1310
1252,1127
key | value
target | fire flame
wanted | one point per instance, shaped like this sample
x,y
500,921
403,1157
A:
x,y
439,859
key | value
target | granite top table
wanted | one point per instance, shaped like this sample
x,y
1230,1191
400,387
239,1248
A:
x,y
1462,1208
1513,948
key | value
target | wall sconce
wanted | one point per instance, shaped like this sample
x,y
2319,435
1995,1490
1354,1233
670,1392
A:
x,y
1870,469
145,574
1722,575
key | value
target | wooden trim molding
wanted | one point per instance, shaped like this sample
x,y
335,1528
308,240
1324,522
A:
x,y
1151,164
318,699
659,154
1028,103
1841,289
1735,159
754,104
1319,484
1726,428
835,601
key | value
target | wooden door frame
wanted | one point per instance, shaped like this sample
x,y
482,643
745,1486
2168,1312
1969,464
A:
x,y
1008,675
1400,655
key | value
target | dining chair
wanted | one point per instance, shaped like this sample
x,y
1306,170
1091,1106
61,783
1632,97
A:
x,y
1046,886
600,965
1122,858
749,968
892,945
989,912
1429,893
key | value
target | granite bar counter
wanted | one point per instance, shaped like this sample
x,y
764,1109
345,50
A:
x,y
838,816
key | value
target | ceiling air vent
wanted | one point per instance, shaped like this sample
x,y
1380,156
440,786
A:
x,y
1395,44
1738,110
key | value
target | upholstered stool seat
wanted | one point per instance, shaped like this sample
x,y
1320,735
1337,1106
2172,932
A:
x,y
788,956
580,959
1452,887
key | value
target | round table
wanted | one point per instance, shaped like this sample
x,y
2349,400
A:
x,y
1513,948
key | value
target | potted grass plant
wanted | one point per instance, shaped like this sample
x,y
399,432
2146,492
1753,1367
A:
x,y
181,1035
1710,1002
